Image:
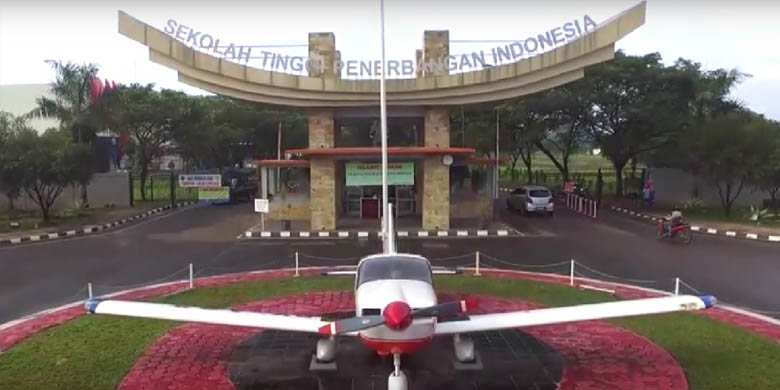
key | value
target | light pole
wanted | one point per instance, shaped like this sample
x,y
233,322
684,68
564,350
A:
x,y
383,134
495,186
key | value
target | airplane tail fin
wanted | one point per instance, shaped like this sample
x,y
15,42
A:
x,y
389,233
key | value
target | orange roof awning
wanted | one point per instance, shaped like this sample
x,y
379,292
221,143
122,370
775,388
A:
x,y
283,163
395,150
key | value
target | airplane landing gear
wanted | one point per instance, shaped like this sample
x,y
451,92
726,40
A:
x,y
326,349
464,348
397,378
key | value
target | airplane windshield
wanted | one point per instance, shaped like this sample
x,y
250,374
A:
x,y
394,268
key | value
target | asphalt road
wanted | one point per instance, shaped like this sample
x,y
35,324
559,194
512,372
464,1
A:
x,y
37,276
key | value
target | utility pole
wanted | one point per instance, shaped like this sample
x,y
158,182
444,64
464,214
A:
x,y
383,120
495,187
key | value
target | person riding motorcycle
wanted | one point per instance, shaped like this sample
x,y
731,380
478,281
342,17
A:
x,y
673,220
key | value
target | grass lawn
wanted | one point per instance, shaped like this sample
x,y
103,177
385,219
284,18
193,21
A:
x,y
738,218
95,352
159,188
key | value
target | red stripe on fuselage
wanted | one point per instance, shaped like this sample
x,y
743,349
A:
x,y
386,347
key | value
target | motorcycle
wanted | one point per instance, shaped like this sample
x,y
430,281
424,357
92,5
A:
x,y
681,232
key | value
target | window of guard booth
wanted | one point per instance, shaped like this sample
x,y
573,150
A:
x,y
365,132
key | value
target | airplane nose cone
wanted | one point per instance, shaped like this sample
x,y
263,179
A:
x,y
398,315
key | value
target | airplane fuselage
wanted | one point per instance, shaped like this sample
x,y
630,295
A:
x,y
373,297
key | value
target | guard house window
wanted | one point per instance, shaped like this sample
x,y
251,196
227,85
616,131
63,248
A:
x,y
384,268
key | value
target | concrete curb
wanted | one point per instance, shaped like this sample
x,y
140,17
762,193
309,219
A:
x,y
90,229
702,229
365,234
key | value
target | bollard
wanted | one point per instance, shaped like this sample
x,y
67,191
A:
x,y
676,286
296,264
571,273
89,290
476,267
192,277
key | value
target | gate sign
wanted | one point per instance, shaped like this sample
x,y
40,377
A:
x,y
261,205
218,194
370,174
568,187
203,181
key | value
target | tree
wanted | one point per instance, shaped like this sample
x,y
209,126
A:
x,y
769,181
711,90
637,105
732,151
11,172
149,119
50,162
71,103
563,114
521,130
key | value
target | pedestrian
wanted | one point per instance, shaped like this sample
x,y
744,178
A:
x,y
648,194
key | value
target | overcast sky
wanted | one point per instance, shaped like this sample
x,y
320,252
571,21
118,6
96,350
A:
x,y
719,34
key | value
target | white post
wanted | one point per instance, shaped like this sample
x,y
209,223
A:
x,y
89,290
676,286
571,273
383,121
192,276
476,267
296,264
498,166
262,222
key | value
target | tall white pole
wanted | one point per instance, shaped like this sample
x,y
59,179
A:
x,y
495,188
383,120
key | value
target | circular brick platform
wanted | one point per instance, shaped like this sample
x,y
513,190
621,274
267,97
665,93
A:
x,y
595,355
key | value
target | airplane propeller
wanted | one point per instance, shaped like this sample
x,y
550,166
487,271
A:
x,y
397,315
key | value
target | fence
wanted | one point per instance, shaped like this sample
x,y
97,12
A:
x,y
158,187
577,274
587,179
582,205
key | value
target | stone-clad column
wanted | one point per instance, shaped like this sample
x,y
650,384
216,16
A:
x,y
322,172
322,46
436,50
436,189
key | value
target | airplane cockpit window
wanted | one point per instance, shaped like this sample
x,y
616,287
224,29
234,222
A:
x,y
399,267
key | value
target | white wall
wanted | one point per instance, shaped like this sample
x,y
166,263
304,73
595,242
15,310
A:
x,y
674,186
105,188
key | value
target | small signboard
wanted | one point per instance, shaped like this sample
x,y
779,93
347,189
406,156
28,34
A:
x,y
202,181
219,194
261,205
370,174
568,187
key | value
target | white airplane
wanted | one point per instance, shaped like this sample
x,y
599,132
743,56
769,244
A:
x,y
397,313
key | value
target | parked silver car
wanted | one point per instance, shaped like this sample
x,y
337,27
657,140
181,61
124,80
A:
x,y
531,199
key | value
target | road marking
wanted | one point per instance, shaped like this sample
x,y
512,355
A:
x,y
462,233
343,234
35,238
16,240
774,238
482,233
502,233
712,231
731,234
303,234
365,234
695,228
752,236
265,234
324,234
442,233
70,233
422,233
284,234
403,234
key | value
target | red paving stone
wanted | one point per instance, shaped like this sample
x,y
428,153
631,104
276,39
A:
x,y
593,362
195,355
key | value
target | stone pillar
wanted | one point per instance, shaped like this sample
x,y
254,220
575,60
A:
x,y
435,53
436,189
322,195
322,46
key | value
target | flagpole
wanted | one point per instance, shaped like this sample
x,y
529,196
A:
x,y
383,120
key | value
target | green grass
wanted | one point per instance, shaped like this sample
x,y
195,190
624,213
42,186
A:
x,y
738,216
95,352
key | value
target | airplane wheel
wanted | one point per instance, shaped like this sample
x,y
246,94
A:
x,y
397,382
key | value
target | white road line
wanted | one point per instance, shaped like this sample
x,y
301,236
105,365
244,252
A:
x,y
502,233
284,234
695,228
343,234
462,233
365,234
403,234
265,234
482,233
442,233
35,238
324,234
422,233
303,234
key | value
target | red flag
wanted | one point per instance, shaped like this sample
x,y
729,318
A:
x,y
113,84
107,87
95,89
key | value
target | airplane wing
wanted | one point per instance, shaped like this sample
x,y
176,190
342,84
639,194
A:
x,y
209,316
517,319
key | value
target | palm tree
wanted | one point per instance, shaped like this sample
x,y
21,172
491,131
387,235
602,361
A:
x,y
71,103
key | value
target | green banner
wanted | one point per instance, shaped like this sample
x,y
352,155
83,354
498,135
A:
x,y
218,193
370,174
